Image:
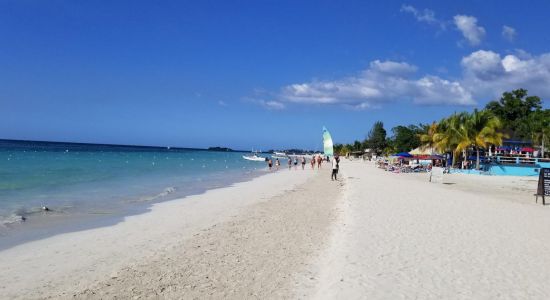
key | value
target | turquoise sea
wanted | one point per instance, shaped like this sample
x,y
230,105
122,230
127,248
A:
x,y
85,185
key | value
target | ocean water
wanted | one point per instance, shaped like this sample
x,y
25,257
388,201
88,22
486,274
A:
x,y
95,182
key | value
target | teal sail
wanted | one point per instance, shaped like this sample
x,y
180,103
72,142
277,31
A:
x,y
327,142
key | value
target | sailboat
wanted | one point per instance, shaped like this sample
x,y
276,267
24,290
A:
x,y
327,143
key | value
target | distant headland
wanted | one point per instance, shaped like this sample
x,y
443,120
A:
x,y
224,149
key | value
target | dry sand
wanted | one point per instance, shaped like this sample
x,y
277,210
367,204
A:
x,y
400,237
511,188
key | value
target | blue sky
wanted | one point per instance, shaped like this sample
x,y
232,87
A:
x,y
257,74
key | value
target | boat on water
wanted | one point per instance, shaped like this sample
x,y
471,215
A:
x,y
254,157
279,155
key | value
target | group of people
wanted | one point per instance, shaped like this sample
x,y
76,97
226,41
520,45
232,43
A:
x,y
315,160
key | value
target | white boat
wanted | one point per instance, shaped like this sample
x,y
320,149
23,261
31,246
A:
x,y
281,155
254,157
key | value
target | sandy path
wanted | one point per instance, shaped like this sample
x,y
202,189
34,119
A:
x,y
254,240
407,239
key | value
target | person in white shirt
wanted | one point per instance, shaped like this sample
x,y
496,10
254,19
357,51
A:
x,y
335,167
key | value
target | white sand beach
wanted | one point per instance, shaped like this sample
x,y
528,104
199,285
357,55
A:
x,y
401,237
296,234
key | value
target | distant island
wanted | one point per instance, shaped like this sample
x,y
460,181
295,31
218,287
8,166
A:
x,y
224,149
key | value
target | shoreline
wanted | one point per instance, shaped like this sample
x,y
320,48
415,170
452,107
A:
x,y
69,264
38,224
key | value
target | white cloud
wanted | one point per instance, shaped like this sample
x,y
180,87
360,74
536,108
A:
x,y
426,15
271,104
468,26
392,67
434,90
509,33
222,103
488,73
381,82
484,64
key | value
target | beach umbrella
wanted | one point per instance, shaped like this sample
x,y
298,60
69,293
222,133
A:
x,y
403,154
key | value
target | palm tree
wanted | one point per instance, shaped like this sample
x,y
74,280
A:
x,y
427,138
461,131
484,129
538,124
452,135
462,134
542,138
346,149
441,140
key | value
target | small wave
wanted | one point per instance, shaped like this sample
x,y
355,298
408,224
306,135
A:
x,y
167,191
21,214
27,211
12,219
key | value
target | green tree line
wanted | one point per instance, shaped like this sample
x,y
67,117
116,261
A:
x,y
515,115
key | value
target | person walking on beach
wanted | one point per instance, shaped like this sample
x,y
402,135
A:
x,y
289,163
334,168
277,163
303,162
319,161
270,164
295,163
312,162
